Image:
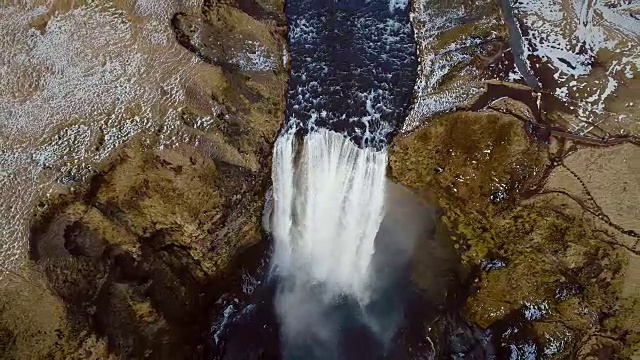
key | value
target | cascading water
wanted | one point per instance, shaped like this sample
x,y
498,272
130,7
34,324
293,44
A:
x,y
328,203
353,67
352,73
344,283
328,206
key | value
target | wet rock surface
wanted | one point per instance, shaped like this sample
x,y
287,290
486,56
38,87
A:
x,y
141,255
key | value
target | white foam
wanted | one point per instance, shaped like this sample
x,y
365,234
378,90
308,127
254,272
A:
x,y
328,206
397,5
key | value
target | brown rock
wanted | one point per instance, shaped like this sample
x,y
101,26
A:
x,y
140,252
548,278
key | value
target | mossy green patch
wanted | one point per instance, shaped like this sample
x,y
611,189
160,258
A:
x,y
556,268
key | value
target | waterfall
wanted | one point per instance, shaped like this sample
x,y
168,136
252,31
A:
x,y
352,71
352,68
328,203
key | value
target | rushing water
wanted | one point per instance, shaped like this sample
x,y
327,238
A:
x,y
352,73
328,207
353,67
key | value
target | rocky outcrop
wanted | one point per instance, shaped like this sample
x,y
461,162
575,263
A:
x,y
461,45
547,277
140,252
532,168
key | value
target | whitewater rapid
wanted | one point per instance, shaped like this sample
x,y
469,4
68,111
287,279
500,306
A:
x,y
327,208
352,73
352,68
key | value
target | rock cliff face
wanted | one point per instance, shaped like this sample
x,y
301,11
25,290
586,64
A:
x,y
512,99
548,277
152,144
140,251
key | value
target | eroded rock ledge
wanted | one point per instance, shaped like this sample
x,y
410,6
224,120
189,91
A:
x,y
548,272
140,252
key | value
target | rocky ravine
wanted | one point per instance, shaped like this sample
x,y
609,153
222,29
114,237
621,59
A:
x,y
129,255
139,251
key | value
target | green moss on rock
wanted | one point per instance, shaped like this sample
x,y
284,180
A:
x,y
542,269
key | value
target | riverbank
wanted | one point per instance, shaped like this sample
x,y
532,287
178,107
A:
x,y
559,278
536,182
141,195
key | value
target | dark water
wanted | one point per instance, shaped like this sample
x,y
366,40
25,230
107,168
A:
x,y
414,268
353,67
517,46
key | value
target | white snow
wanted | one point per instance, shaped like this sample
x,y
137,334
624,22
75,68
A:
x,y
571,35
254,57
91,73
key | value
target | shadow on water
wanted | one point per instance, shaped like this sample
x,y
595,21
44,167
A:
x,y
413,312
